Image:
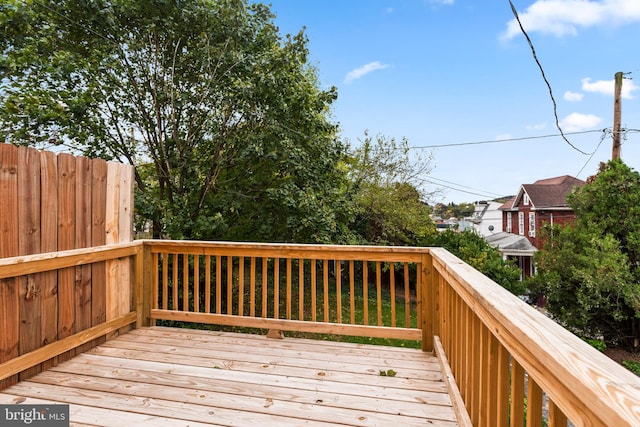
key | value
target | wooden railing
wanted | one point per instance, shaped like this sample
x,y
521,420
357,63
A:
x,y
363,291
58,302
511,365
511,362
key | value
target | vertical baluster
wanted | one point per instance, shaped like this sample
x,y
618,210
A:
x,y
185,282
196,283
207,284
419,308
165,281
392,285
229,284
517,394
325,283
300,289
466,353
379,292
265,275
352,290
289,288
365,290
407,297
174,286
556,417
252,288
313,290
339,290
502,386
241,286
276,288
476,374
218,292
534,403
155,282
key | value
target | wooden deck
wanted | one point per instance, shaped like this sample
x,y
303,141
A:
x,y
176,377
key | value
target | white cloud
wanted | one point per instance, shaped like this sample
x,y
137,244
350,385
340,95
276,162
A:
x,y
503,136
364,70
537,126
565,17
607,87
573,96
576,122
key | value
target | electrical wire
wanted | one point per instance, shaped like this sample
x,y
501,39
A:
x,y
494,141
535,57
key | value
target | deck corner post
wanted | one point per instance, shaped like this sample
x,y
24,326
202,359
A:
x,y
143,291
426,302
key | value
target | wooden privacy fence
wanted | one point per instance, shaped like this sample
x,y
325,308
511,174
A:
x,y
53,203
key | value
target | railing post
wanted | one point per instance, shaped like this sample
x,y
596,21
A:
x,y
143,292
426,302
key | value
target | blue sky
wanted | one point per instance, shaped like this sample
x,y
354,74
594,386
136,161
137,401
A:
x,y
460,71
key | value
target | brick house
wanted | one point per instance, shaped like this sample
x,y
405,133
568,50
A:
x,y
543,202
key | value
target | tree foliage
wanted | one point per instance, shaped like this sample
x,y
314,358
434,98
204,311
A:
x,y
222,117
385,181
589,270
470,247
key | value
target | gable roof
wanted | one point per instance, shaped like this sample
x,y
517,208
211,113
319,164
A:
x,y
546,193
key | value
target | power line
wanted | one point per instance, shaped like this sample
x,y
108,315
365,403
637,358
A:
x,y
535,57
464,186
429,181
604,135
495,141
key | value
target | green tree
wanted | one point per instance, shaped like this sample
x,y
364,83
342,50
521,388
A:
x,y
589,270
385,182
475,251
222,117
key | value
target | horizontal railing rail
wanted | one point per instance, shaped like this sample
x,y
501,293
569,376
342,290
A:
x,y
347,290
57,302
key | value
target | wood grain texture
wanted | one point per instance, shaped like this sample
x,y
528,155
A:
x,y
178,377
9,298
49,243
29,232
587,386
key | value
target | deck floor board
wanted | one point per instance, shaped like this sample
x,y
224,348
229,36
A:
x,y
177,377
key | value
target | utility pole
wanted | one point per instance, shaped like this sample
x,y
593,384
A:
x,y
617,117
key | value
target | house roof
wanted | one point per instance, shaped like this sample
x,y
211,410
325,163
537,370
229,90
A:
x,y
546,193
511,244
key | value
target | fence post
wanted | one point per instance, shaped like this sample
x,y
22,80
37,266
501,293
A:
x,y
426,301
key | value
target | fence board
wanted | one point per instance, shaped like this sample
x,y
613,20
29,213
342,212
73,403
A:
x,y
29,292
9,314
66,240
83,240
83,291
49,243
98,237
125,234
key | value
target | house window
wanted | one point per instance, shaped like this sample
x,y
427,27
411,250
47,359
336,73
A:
x,y
508,225
532,224
521,223
525,199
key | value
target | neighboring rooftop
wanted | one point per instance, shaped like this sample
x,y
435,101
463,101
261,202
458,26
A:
x,y
546,193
